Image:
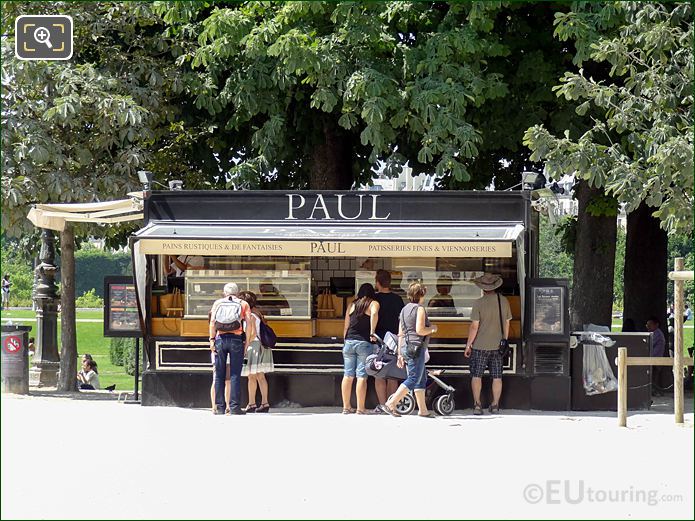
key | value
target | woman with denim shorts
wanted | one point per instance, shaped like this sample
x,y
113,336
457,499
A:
x,y
414,330
360,323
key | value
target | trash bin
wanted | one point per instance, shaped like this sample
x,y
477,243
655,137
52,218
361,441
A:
x,y
14,363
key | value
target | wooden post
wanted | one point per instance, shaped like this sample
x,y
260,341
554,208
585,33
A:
x,y
678,344
622,387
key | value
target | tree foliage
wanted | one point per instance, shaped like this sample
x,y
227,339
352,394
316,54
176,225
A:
x,y
78,131
529,68
375,82
640,144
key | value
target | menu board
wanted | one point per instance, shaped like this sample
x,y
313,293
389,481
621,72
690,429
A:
x,y
548,315
121,308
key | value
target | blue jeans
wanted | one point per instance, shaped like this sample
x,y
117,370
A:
x,y
355,353
417,373
233,346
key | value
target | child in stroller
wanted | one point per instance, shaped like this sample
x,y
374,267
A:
x,y
383,363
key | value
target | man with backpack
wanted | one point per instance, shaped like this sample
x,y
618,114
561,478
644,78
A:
x,y
227,319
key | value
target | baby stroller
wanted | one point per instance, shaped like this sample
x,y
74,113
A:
x,y
384,365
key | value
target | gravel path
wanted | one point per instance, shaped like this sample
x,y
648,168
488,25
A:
x,y
169,463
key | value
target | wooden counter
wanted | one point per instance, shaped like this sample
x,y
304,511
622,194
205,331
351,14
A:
x,y
322,327
165,326
187,327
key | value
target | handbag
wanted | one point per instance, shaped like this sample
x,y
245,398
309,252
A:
x,y
267,336
411,350
503,348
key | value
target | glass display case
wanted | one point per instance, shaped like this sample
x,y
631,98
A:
x,y
450,294
281,294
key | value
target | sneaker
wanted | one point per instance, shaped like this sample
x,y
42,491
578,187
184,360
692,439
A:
x,y
237,412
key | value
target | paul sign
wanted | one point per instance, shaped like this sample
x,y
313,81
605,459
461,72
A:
x,y
349,209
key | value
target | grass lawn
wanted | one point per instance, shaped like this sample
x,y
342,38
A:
x,y
688,334
90,339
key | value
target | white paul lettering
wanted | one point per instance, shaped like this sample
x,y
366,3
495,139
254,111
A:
x,y
340,207
349,207
374,216
291,197
320,204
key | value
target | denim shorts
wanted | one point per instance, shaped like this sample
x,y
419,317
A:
x,y
417,372
355,353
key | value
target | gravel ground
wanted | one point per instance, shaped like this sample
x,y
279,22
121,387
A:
x,y
87,459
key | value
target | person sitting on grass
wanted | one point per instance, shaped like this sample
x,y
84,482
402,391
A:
x,y
88,377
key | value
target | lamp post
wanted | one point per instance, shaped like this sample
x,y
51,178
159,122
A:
x,y
145,177
44,370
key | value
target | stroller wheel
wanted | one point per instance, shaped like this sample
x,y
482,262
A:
x,y
444,405
406,405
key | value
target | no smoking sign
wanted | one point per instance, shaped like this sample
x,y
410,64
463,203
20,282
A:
x,y
12,345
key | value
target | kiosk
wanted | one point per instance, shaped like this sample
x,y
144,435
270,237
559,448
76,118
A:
x,y
305,253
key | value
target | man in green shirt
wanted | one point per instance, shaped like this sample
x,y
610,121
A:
x,y
490,319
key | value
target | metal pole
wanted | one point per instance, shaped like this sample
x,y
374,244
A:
x,y
622,387
137,366
678,345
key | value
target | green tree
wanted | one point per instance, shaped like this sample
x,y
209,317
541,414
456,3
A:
x,y
19,268
640,146
78,131
556,260
317,93
635,85
92,264
530,68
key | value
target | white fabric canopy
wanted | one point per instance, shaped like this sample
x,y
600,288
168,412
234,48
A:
x,y
54,216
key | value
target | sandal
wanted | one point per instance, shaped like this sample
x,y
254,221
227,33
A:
x,y
348,411
363,411
430,414
265,407
388,410
494,408
477,409
250,408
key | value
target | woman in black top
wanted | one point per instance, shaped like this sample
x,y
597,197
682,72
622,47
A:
x,y
360,324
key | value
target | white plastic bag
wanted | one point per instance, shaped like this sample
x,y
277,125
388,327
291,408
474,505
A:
x,y
593,337
598,375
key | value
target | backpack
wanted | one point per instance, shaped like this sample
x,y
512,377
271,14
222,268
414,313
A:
x,y
228,315
267,336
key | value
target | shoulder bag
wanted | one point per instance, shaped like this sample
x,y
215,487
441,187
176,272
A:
x,y
503,348
412,350
265,333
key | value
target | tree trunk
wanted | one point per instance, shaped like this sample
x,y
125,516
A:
x,y
68,337
646,258
594,259
331,161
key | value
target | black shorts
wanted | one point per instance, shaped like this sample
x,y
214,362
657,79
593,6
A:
x,y
480,360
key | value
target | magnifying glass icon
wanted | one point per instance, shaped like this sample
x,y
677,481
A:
x,y
43,35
